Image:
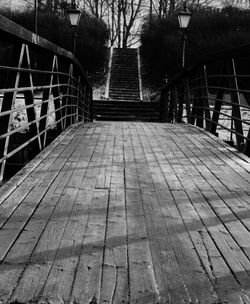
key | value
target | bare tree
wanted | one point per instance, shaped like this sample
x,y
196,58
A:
x,y
97,8
123,18
131,10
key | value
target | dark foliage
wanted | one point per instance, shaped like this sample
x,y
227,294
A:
x,y
208,32
92,35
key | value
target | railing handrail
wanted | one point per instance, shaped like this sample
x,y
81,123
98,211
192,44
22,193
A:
x,y
43,91
203,89
221,55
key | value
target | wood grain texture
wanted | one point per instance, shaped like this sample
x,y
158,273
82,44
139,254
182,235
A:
x,y
119,212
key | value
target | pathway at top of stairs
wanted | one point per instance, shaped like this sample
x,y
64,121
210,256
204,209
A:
x,y
124,78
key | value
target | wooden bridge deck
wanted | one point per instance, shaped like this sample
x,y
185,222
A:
x,y
128,213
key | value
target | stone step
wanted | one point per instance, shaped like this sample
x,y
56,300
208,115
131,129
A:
x,y
126,89
118,92
126,118
123,76
125,98
123,71
122,104
124,81
136,111
126,110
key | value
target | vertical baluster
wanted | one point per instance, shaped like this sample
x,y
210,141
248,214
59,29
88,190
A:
x,y
236,113
218,102
72,99
45,104
56,96
27,81
44,114
200,102
180,99
187,98
91,104
247,144
69,99
8,103
175,104
84,102
78,101
206,103
195,105
164,105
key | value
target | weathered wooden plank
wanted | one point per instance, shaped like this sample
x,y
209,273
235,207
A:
x,y
41,204
7,188
115,281
59,283
24,202
90,177
34,277
143,288
104,175
222,243
19,255
187,279
89,269
143,285
133,212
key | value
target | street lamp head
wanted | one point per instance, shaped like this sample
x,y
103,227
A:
x,y
74,16
184,17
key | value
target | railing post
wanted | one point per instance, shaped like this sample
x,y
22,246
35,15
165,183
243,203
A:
x,y
91,104
247,144
21,83
200,103
56,94
79,111
218,103
164,104
236,113
29,100
187,99
44,112
197,110
16,54
180,100
206,104
216,111
68,111
174,105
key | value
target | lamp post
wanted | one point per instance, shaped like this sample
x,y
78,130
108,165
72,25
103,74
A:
x,y
35,17
184,18
74,18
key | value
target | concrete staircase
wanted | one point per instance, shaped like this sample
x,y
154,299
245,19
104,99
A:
x,y
124,101
124,77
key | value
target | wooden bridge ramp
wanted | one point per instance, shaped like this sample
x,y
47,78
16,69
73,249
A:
x,y
128,213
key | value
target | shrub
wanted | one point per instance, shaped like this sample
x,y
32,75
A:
x,y
208,32
92,34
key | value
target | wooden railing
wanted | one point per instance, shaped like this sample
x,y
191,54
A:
x,y
214,94
43,90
